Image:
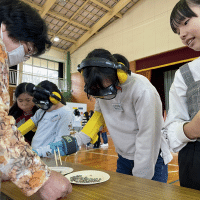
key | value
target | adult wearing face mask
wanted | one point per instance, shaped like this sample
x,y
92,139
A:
x,y
23,34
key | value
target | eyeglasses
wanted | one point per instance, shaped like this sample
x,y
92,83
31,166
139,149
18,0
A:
x,y
31,49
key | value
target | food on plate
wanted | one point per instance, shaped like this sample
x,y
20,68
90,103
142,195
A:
x,y
84,179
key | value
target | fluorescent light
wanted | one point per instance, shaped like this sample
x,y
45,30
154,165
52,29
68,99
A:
x,y
56,39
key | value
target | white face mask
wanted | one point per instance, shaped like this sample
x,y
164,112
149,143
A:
x,y
17,55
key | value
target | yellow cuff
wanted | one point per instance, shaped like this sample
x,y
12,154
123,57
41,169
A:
x,y
92,127
26,127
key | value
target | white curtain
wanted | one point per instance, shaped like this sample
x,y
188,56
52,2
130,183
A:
x,y
168,80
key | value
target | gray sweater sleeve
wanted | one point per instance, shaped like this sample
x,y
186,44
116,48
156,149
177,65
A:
x,y
148,139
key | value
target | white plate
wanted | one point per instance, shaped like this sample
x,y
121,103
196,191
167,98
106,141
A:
x,y
62,170
89,174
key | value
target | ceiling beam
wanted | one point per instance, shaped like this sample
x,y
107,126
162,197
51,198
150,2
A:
x,y
73,16
68,20
46,7
57,15
58,49
105,7
120,5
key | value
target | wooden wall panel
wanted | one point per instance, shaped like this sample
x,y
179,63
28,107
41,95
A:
x,y
183,54
147,74
133,66
78,94
11,93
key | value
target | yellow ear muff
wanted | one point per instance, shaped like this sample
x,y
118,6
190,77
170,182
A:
x,y
53,100
122,76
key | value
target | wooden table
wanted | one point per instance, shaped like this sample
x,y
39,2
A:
x,y
118,187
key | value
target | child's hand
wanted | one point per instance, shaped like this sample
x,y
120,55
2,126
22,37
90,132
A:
x,y
56,145
192,128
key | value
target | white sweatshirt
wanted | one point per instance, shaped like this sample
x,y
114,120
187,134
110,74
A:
x,y
134,120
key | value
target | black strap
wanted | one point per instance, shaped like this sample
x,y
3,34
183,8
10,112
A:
x,y
41,117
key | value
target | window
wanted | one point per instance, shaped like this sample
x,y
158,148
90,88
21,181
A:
x,y
36,70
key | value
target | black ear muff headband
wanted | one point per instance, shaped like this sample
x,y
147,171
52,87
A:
x,y
102,62
54,97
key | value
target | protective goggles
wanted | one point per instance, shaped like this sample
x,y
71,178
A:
x,y
107,93
43,104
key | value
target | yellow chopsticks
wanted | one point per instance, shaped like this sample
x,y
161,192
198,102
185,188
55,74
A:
x,y
58,156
